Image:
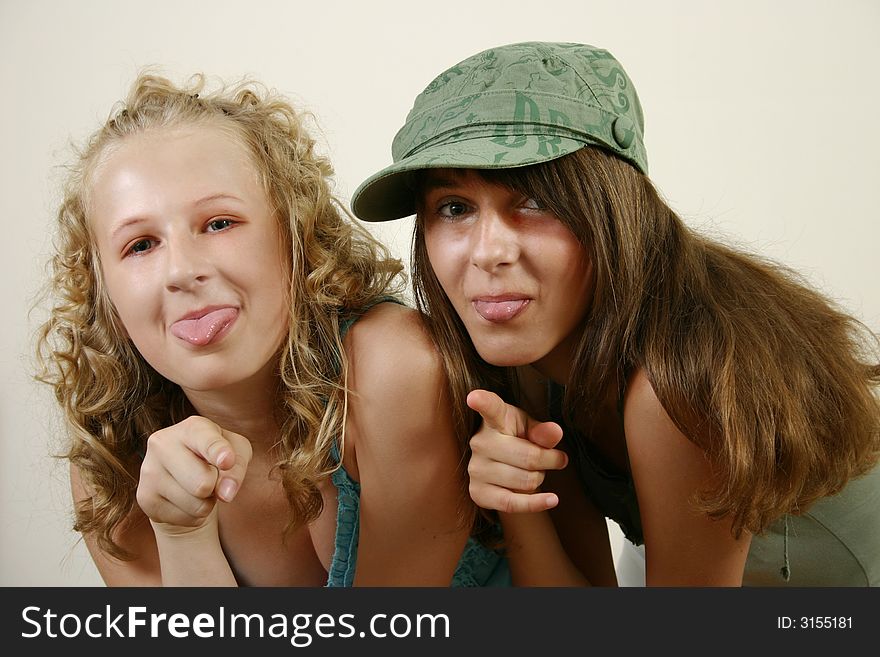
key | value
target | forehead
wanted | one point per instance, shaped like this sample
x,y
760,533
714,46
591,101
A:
x,y
161,172
207,137
173,157
438,178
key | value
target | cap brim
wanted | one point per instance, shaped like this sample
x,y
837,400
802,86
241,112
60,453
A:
x,y
389,194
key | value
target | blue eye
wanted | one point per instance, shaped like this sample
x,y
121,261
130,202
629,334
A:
x,y
140,246
216,225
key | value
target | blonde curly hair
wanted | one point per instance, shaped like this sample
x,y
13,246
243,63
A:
x,y
112,399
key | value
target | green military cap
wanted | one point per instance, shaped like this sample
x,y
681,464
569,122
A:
x,y
511,106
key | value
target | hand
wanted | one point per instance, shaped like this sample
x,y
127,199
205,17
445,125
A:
x,y
187,468
509,455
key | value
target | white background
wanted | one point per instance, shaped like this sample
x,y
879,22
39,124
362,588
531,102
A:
x,y
761,126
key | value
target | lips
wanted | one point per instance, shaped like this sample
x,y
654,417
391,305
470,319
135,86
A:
x,y
202,327
500,308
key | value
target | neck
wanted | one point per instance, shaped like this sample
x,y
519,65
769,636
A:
x,y
248,408
557,364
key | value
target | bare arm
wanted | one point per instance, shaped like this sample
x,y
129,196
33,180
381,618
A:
x,y
180,545
535,553
135,535
566,546
188,469
401,446
683,546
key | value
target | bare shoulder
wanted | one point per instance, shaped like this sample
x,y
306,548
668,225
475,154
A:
x,y
398,393
640,404
651,434
401,447
391,353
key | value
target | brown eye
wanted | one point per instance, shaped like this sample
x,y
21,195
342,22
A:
x,y
453,209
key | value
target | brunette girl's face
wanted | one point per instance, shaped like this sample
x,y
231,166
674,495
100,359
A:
x,y
191,254
517,276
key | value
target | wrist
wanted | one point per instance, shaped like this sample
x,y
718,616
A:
x,y
206,531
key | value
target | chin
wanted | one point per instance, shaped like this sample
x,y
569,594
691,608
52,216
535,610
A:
x,y
207,379
501,356
203,384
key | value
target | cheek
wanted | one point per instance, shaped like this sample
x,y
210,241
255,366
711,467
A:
x,y
131,303
577,277
269,278
121,297
578,269
445,255
278,268
129,319
280,295
129,291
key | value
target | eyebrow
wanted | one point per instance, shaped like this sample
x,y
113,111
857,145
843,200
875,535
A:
x,y
125,224
216,197
210,198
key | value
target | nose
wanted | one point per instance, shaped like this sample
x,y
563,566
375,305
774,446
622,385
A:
x,y
186,265
495,241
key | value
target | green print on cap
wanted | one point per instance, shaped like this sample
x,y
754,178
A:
x,y
510,106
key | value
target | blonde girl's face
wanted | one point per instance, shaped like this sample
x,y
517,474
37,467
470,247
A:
x,y
517,277
191,255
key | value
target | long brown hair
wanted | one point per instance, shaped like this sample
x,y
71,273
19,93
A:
x,y
112,399
773,380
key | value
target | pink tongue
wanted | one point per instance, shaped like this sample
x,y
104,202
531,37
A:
x,y
202,330
498,310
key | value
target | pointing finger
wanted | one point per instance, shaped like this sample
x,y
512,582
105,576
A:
x,y
499,415
231,478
